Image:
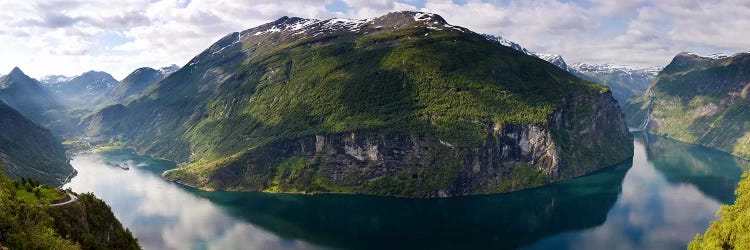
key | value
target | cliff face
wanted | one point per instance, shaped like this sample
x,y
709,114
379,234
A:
x,y
577,141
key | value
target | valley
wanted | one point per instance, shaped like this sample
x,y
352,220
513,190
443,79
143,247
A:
x,y
393,131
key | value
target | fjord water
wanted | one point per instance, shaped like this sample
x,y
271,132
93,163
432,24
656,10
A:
x,y
668,192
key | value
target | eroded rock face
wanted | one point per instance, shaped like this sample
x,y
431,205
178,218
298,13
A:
x,y
512,157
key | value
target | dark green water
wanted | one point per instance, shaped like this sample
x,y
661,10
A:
x,y
668,192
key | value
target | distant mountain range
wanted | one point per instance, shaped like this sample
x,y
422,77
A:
x,y
626,81
699,99
93,88
85,90
27,95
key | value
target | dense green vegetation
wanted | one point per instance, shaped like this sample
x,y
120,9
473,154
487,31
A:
x,y
29,150
700,100
26,222
32,192
237,97
732,229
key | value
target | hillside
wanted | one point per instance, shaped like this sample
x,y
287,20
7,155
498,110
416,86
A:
x,y
701,100
29,150
86,223
404,104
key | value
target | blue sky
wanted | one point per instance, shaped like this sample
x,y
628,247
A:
x,y
73,36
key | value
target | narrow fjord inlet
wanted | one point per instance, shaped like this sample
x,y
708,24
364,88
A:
x,y
389,124
669,192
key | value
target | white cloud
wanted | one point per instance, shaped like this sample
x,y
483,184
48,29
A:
x,y
73,36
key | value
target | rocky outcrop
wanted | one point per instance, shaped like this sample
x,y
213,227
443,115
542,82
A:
x,y
587,133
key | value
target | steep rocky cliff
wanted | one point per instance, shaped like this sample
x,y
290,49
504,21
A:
x,y
403,104
512,157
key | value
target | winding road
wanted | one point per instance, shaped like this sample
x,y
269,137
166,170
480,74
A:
x,y
73,198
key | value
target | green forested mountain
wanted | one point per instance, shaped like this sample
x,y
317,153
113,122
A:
x,y
699,99
29,150
404,104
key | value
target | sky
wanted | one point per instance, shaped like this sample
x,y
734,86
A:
x,y
44,37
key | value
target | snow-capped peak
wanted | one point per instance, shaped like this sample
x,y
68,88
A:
x,y
294,26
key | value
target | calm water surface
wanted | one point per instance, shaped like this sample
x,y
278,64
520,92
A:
x,y
668,192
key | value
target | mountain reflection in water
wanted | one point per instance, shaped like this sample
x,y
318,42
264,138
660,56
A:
x,y
669,192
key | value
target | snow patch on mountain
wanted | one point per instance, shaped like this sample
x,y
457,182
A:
x,y
509,43
52,79
557,60
716,56
314,27
611,68
168,70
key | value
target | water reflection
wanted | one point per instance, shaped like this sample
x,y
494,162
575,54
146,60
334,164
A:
x,y
667,196
714,173
161,214
492,221
662,205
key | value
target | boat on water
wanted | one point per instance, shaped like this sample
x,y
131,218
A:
x,y
123,166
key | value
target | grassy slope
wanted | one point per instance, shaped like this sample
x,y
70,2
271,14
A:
x,y
701,101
